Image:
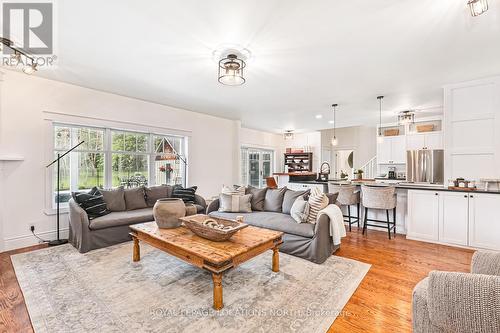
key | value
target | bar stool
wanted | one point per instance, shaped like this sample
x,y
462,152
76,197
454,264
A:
x,y
348,196
382,198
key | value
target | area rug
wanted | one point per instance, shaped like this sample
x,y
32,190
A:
x,y
104,291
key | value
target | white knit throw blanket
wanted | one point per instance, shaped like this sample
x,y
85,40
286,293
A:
x,y
337,227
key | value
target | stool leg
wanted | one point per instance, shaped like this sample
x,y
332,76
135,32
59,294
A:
x,y
388,223
359,217
365,222
394,218
349,213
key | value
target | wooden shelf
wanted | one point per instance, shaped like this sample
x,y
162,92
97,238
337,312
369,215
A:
x,y
298,162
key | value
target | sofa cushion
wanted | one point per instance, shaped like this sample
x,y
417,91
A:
x,y
153,193
258,197
135,198
300,210
290,197
114,199
122,218
186,194
274,221
92,203
235,203
273,201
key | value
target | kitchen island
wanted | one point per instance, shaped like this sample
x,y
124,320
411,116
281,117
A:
x,y
436,213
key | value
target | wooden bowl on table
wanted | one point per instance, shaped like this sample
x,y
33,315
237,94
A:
x,y
219,230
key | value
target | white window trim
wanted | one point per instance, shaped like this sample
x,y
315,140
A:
x,y
261,149
107,126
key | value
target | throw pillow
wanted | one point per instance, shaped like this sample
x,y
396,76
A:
x,y
186,194
114,199
317,201
233,190
273,200
154,193
235,203
92,203
290,197
258,197
135,198
300,210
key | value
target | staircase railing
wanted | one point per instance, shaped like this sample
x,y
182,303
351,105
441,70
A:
x,y
370,168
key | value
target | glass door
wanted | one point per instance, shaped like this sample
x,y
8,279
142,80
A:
x,y
256,166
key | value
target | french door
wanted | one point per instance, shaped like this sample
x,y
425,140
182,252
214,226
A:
x,y
256,166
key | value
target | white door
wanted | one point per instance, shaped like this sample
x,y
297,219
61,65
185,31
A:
x,y
453,223
415,141
484,221
257,165
433,140
398,149
423,223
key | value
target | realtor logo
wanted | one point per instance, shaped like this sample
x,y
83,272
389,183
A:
x,y
29,26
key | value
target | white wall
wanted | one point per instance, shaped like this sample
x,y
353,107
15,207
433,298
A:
x,y
28,101
265,140
360,139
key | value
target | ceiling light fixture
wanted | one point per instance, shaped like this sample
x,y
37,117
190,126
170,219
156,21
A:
x,y
380,138
16,58
319,116
334,139
231,70
288,135
406,117
477,7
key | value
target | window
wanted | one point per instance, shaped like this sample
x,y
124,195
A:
x,y
130,159
256,166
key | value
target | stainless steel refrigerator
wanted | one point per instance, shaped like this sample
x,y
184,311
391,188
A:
x,y
425,166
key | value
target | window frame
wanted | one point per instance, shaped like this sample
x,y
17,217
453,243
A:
x,y
108,152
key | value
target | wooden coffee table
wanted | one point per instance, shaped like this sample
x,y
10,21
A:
x,y
215,257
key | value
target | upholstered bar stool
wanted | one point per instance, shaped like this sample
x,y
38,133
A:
x,y
348,196
381,198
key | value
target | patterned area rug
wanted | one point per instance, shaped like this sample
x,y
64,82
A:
x,y
104,291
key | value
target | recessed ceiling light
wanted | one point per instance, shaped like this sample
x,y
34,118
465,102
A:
x,y
331,122
319,116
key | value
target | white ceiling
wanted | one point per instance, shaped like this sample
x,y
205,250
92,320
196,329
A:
x,y
306,55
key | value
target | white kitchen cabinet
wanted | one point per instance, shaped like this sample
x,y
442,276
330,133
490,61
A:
x,y
306,186
423,215
430,140
392,150
484,221
454,218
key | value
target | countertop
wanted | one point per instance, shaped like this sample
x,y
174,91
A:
x,y
405,186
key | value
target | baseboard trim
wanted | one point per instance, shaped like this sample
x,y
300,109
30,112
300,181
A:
x,y
18,242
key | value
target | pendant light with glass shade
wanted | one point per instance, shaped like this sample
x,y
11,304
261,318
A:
x,y
334,139
477,7
380,138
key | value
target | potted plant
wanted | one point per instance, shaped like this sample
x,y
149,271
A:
x,y
343,174
359,174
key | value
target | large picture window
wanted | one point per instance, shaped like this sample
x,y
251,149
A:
x,y
111,158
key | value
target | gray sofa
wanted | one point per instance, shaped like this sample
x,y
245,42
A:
x,y
305,240
460,302
113,228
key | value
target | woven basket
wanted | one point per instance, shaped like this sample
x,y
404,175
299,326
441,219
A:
x,y
195,224
425,128
391,132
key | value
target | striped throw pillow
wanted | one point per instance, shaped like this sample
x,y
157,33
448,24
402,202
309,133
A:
x,y
235,203
233,190
317,201
92,203
186,194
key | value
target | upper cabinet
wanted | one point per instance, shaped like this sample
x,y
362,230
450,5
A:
x,y
430,140
472,127
392,150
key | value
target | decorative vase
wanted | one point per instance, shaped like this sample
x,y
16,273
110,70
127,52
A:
x,y
168,211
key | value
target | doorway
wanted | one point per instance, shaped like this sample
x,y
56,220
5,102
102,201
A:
x,y
344,163
256,166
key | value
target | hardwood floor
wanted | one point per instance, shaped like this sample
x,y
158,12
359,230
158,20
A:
x,y
382,302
